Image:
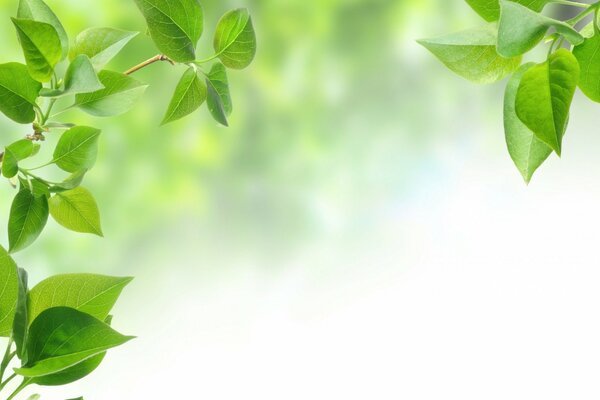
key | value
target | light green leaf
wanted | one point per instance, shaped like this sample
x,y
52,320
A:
x,y
28,216
21,323
235,40
472,54
79,78
101,44
41,47
34,397
9,292
18,92
521,29
62,337
119,94
92,294
16,152
73,181
37,10
588,56
189,96
525,149
77,149
76,210
544,97
490,9
219,98
174,25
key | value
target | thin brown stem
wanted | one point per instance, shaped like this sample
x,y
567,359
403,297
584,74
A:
x,y
157,58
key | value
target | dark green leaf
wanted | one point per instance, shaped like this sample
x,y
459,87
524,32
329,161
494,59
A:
x,y
101,44
21,323
189,96
9,293
174,25
18,92
77,149
41,47
219,98
28,216
235,40
76,210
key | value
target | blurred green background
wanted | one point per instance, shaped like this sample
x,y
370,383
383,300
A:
x,y
353,234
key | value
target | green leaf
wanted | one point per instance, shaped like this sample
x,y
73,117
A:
x,y
119,94
35,186
544,97
189,96
79,78
28,216
490,9
21,323
37,10
62,337
41,47
92,294
472,54
18,92
235,40
77,149
525,149
73,181
521,29
588,56
9,292
101,44
219,98
76,210
34,397
174,25
16,152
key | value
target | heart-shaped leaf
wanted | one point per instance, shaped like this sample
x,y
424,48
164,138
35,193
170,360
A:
x,y
18,93
101,44
39,11
76,210
472,54
41,47
9,292
544,97
189,96
235,39
28,216
77,149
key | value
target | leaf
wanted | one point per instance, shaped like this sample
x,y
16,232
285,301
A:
x,y
16,152
9,292
189,96
174,25
21,323
544,97
76,210
62,337
37,10
41,47
527,152
34,397
35,186
101,44
77,149
119,94
28,216
521,29
490,9
588,56
235,40
18,92
73,181
219,98
79,78
472,54
92,294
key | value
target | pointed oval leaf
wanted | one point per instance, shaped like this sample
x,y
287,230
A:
x,y
62,337
219,97
9,292
79,78
544,97
21,323
28,217
472,54
76,210
71,374
101,44
89,293
235,39
77,149
39,11
525,149
119,94
521,29
18,92
41,47
174,25
490,9
189,96
588,56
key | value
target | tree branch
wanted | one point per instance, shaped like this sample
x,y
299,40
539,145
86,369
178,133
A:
x,y
157,58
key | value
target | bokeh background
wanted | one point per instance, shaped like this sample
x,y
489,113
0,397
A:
x,y
359,232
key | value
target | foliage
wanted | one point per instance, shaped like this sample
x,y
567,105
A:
x,y
538,96
60,329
